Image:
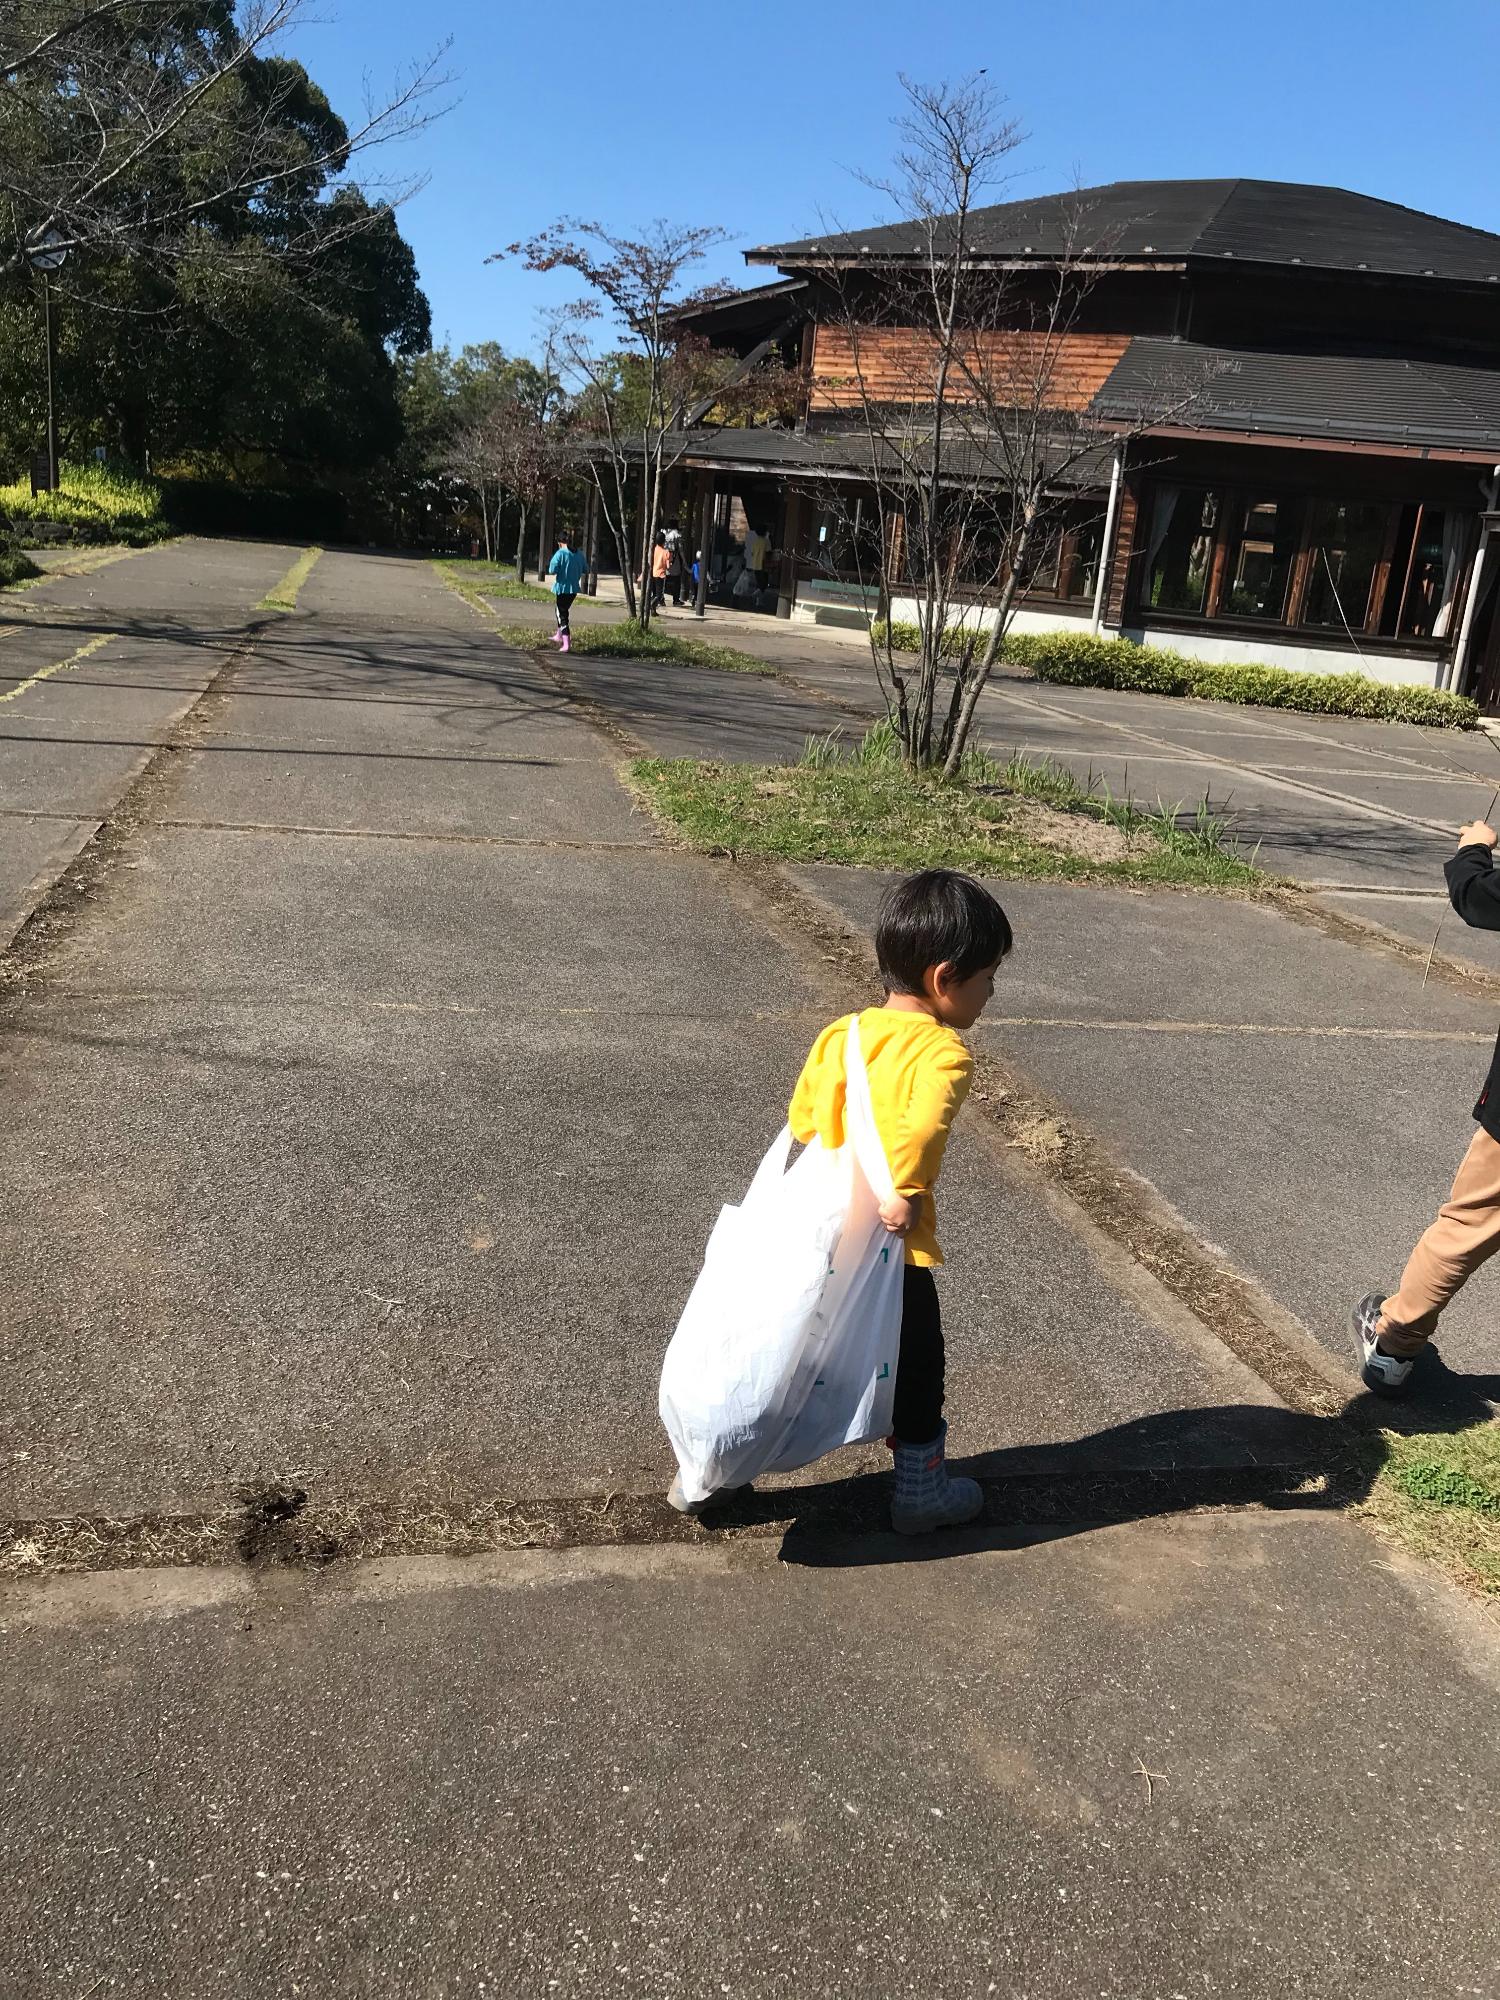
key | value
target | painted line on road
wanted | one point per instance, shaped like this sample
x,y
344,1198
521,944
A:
x,y
1359,808
59,666
1314,1032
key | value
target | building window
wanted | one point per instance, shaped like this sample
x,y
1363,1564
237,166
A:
x,y
1184,524
1079,570
1424,572
1344,546
1325,564
1261,553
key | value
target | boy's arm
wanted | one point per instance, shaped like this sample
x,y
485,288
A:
x,y
803,1115
942,1086
1473,883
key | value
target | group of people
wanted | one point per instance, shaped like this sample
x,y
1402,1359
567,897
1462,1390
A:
x,y
940,941
669,568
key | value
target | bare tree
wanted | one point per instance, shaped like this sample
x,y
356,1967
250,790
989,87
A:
x,y
646,403
969,385
125,124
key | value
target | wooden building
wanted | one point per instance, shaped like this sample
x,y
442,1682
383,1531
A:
x,y
1297,398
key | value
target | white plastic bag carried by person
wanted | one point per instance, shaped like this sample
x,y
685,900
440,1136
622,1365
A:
x,y
787,1347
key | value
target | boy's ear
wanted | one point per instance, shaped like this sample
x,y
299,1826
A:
x,y
938,978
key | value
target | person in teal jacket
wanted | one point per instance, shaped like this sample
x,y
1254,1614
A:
x,y
567,569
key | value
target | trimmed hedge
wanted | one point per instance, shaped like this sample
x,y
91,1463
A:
x,y
1079,659
16,568
907,638
1082,660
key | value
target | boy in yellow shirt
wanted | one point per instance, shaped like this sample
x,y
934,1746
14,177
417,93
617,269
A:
x,y
940,939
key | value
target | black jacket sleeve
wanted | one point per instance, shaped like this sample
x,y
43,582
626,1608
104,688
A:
x,y
1474,887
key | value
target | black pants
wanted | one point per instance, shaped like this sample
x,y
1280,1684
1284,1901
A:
x,y
564,602
918,1415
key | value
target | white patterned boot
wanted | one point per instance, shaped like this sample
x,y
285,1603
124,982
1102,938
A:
x,y
927,1496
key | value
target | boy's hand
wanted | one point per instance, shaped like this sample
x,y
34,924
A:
x,y
1478,833
900,1213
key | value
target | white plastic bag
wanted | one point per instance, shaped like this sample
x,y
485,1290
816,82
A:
x,y
787,1347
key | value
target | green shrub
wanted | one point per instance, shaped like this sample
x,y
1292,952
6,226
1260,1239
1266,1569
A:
x,y
1079,659
906,637
97,503
15,567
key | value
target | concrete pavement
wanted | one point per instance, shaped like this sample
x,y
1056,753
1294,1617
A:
x,y
1229,1756
390,1088
95,672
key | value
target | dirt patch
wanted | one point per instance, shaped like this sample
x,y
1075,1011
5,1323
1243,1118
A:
x,y
1079,834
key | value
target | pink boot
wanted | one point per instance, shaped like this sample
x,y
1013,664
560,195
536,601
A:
x,y
565,642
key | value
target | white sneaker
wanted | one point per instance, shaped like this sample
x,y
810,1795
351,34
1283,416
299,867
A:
x,y
1383,1374
722,1498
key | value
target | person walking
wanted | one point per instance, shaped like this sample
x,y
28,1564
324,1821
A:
x,y
567,570
1392,1330
661,563
676,567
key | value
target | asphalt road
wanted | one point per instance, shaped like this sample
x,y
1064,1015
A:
x,y
365,1112
1228,1756
370,1117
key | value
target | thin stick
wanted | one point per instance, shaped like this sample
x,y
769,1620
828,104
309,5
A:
x,y
1435,936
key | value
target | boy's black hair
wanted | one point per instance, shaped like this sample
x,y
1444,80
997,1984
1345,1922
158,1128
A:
x,y
938,918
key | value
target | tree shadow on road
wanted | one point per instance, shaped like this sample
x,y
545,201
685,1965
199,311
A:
x,y
1146,1469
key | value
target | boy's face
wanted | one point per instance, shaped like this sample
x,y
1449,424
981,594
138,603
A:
x,y
960,1002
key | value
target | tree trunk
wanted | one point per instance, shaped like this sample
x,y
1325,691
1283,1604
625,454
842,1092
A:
x,y
648,533
521,544
981,673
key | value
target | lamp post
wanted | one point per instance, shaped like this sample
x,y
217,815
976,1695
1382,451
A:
x,y
48,252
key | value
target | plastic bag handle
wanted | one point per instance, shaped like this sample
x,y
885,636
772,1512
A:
x,y
772,1167
864,1133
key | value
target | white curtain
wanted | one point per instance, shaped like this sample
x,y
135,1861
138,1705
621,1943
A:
x,y
1164,501
1455,534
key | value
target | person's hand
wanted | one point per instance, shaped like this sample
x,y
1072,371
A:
x,y
900,1213
1478,833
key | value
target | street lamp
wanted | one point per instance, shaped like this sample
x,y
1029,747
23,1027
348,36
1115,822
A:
x,y
48,252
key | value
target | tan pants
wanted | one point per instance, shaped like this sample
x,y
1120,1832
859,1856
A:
x,y
1467,1231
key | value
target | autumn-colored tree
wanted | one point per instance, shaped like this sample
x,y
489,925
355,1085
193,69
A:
x,y
640,405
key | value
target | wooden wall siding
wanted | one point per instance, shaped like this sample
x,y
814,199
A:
x,y
1126,553
898,366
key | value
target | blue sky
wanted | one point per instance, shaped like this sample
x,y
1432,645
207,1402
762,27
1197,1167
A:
x,y
755,117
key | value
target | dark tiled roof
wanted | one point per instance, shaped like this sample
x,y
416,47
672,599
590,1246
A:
x,y
1382,398
833,454
1262,222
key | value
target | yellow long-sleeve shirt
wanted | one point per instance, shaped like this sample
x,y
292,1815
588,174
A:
x,y
919,1077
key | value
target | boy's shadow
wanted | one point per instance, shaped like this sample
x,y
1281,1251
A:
x,y
1232,1455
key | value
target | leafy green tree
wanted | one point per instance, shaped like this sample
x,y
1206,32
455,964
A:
x,y
208,319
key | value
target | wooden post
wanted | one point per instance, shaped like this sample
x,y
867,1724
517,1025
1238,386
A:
x,y
705,544
546,537
792,530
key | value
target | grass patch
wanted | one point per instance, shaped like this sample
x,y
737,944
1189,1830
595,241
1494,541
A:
x,y
283,596
98,502
626,641
477,579
1081,659
16,567
856,804
1439,1496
